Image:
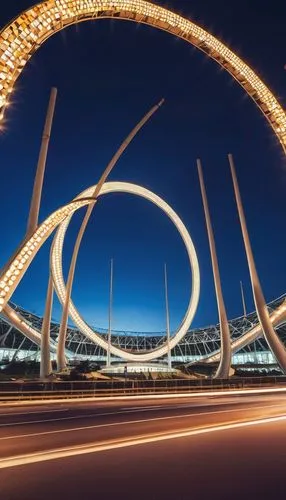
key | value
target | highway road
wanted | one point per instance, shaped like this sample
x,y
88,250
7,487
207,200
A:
x,y
224,446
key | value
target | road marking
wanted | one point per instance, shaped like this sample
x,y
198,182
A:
x,y
31,412
96,415
123,411
116,444
181,405
131,422
142,407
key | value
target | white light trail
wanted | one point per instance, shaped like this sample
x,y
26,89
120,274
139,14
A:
x,y
74,451
167,395
128,422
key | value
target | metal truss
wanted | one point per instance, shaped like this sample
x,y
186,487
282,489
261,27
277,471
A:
x,y
196,345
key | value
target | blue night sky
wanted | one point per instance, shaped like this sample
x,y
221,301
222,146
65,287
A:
x,y
108,75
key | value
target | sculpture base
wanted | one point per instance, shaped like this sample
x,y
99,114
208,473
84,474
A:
x,y
137,368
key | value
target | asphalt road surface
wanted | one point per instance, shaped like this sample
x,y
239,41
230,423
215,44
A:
x,y
208,447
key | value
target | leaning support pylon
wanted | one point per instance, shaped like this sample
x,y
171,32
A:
x,y
225,357
167,318
61,360
108,357
45,366
40,172
272,339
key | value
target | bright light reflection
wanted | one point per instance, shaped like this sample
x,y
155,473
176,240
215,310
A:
x,y
127,442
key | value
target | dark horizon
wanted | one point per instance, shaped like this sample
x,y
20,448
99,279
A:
x,y
108,75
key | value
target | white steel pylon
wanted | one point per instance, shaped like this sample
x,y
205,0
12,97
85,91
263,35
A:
x,y
167,317
110,313
225,350
40,172
61,360
272,339
45,365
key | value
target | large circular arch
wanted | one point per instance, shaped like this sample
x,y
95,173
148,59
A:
x,y
16,268
25,34
59,284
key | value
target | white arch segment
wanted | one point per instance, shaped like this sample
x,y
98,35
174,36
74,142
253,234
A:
x,y
14,271
19,322
18,265
24,35
276,317
16,268
56,268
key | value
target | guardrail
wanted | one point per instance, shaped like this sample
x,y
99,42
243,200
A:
x,y
15,391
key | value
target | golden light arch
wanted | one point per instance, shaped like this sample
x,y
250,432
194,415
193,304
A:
x,y
25,34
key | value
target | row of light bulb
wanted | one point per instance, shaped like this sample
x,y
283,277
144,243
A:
x,y
33,26
12,276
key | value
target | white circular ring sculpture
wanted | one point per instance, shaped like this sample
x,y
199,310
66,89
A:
x,y
59,284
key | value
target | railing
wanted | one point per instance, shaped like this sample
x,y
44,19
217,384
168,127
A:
x,y
15,391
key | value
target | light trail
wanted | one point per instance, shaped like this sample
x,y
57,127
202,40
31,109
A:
x,y
113,397
143,407
10,414
129,422
128,442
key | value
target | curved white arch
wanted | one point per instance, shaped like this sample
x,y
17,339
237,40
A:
x,y
25,34
15,269
20,322
59,285
18,265
276,317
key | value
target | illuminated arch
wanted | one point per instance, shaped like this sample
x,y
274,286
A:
x,y
20,262
25,34
15,269
59,284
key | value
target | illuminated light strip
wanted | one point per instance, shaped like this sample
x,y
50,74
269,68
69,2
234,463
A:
x,y
10,414
124,443
22,324
59,284
15,270
114,424
19,322
25,34
166,395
